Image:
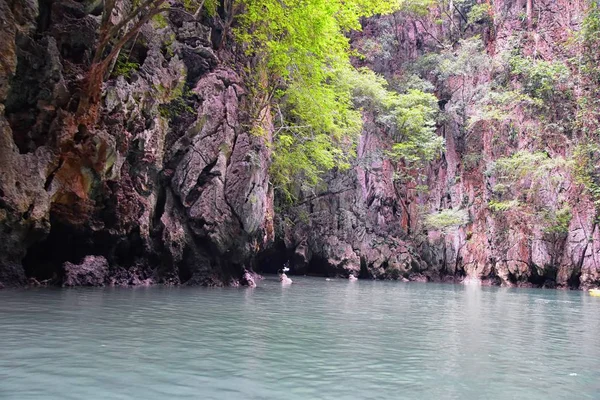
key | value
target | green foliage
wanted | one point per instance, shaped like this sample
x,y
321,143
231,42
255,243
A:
x,y
422,189
586,166
418,8
124,67
480,13
416,140
303,40
306,71
453,15
167,94
557,222
445,219
527,175
586,157
499,105
209,5
588,62
466,60
590,28
502,206
524,164
160,21
541,79
460,69
317,131
471,160
177,107
303,153
409,117
299,164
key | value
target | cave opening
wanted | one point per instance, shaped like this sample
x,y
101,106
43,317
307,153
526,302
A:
x,y
547,279
273,259
319,266
44,259
574,281
66,243
511,278
364,272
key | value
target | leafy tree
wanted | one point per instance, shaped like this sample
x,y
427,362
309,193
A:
x,y
541,79
586,165
463,69
522,182
409,117
307,79
480,13
588,62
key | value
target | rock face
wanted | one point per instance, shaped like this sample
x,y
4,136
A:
x,y
358,226
368,221
168,186
517,246
91,272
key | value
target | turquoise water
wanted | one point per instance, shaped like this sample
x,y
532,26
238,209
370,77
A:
x,y
312,340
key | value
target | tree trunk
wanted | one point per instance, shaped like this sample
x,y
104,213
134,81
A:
x,y
529,14
89,101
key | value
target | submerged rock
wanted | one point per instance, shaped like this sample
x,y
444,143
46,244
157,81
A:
x,y
250,278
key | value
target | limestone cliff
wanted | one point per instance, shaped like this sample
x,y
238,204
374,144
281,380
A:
x,y
371,221
169,185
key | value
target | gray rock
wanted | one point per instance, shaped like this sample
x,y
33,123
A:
x,y
92,271
8,52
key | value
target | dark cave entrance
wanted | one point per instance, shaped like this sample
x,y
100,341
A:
x,y
574,281
276,257
44,259
318,266
273,259
364,272
65,243
547,279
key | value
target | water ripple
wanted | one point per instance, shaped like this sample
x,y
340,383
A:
x,y
312,340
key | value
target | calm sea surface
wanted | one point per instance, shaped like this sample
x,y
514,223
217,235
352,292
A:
x,y
312,340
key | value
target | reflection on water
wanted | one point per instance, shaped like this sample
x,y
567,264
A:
x,y
315,339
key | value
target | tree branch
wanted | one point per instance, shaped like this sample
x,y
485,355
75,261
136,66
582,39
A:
x,y
132,32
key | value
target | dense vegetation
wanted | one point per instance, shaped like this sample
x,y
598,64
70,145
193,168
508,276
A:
x,y
303,75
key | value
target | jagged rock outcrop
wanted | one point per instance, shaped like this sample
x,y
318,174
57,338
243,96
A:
x,y
358,226
168,187
515,247
91,272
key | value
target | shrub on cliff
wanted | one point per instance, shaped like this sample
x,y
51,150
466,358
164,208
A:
x,y
408,117
446,219
541,79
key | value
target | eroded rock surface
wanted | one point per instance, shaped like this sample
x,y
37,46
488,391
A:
x,y
168,186
92,271
366,220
